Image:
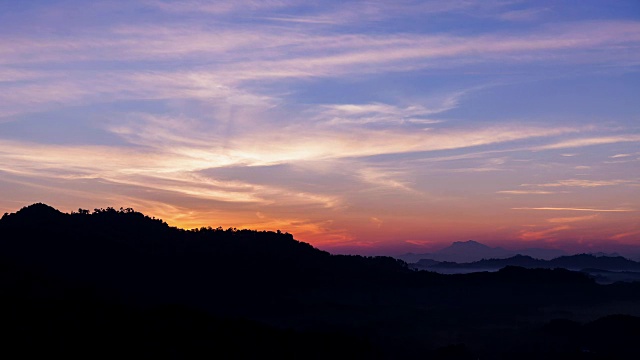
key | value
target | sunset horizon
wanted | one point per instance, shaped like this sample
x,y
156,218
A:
x,y
630,251
371,128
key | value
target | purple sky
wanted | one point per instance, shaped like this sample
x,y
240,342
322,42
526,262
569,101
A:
x,y
358,126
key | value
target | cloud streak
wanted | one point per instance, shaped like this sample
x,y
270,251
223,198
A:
x,y
584,183
573,209
526,192
591,141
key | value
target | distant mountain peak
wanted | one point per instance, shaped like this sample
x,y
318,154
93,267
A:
x,y
467,246
469,243
462,251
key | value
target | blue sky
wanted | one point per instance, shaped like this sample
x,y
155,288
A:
x,y
358,126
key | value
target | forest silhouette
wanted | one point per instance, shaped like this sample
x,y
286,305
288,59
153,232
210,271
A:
x,y
114,282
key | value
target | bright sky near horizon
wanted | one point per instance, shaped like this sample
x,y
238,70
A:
x,y
358,126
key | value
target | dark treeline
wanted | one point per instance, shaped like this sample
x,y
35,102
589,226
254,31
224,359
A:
x,y
110,282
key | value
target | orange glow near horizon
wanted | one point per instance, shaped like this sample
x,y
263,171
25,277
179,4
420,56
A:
x,y
398,233
359,127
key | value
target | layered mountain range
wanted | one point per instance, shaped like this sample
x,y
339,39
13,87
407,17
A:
x,y
107,282
468,251
472,256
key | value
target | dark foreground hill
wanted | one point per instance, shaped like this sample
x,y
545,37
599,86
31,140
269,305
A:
x,y
117,283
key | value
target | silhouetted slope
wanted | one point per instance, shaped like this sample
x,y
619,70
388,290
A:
x,y
130,253
118,273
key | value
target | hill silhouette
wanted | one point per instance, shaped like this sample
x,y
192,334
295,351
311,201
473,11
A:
x,y
117,279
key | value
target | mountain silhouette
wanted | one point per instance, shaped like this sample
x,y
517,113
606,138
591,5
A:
x,y
471,248
460,251
108,282
572,262
470,251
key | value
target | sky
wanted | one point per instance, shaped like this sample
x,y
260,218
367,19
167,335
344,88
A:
x,y
366,127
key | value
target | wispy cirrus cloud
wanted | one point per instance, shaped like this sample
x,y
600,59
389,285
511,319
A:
x,y
584,183
547,233
329,12
381,113
167,172
219,7
340,52
386,178
572,219
335,142
526,192
261,53
626,235
256,141
329,118
619,156
573,209
590,141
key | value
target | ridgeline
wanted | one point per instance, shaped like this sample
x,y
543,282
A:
x,y
110,282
